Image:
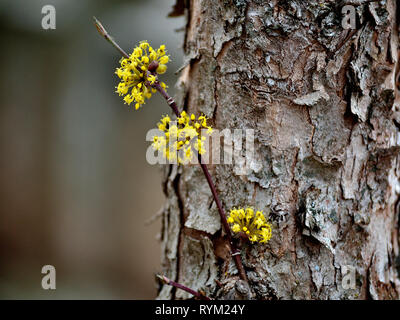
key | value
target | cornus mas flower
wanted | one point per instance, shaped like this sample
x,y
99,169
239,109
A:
x,y
181,139
138,73
250,223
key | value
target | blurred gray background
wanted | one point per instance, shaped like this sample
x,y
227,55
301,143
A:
x,y
75,187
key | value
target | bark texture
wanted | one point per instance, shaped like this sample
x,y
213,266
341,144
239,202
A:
x,y
325,106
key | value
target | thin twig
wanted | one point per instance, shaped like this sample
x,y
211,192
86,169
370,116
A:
x,y
169,282
235,251
105,34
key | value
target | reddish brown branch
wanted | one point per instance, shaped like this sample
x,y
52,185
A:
x,y
171,102
169,282
105,34
235,251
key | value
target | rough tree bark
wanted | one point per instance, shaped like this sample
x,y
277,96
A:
x,y
325,106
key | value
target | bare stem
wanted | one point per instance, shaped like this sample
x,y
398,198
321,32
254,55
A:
x,y
169,282
105,34
171,102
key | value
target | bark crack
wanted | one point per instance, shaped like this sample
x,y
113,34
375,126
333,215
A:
x,y
175,185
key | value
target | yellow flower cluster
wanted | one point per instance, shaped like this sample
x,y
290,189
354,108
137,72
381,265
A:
x,y
253,225
181,137
134,73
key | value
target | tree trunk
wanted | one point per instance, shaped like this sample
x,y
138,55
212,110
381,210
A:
x,y
324,102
